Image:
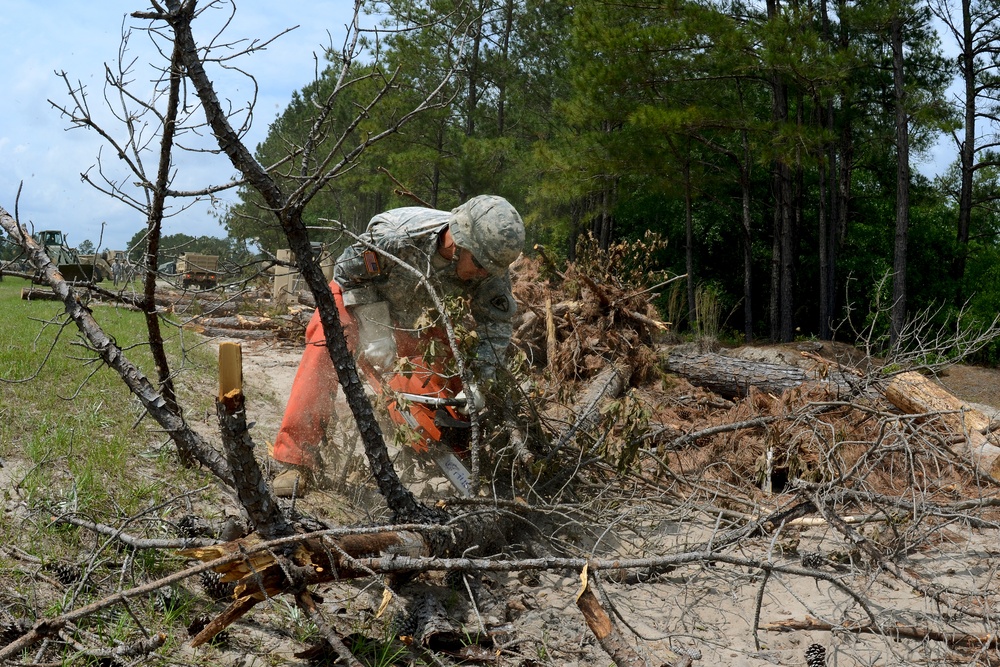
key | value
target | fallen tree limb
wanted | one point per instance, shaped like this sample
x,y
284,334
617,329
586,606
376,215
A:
x,y
732,377
307,603
244,334
962,639
604,629
389,549
136,542
914,393
246,322
609,384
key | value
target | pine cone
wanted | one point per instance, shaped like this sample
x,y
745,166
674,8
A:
x,y
218,590
12,631
65,573
190,525
816,655
406,623
167,599
813,560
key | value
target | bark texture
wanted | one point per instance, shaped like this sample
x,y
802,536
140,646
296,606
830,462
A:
x,y
732,377
914,393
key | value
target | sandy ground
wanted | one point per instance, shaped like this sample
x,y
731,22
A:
x,y
708,611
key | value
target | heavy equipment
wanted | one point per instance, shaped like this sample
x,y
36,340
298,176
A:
x,y
73,266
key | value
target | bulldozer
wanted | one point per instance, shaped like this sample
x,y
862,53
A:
x,y
74,267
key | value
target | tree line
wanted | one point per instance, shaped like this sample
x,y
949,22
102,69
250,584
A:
x,y
771,144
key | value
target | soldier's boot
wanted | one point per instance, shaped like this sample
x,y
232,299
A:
x,y
293,481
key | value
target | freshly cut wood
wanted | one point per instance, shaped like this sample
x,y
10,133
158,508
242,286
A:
x,y
732,377
240,322
604,629
914,393
245,334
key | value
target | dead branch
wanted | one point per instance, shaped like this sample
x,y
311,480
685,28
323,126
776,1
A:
x,y
732,377
403,191
609,384
133,541
607,633
241,322
110,353
251,487
896,631
307,603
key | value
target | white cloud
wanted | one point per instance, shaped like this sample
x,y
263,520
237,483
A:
x,y
67,35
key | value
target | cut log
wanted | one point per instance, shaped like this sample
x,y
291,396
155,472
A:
x,y
248,322
243,334
732,377
914,393
608,385
38,294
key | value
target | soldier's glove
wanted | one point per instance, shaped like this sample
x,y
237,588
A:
x,y
375,334
474,398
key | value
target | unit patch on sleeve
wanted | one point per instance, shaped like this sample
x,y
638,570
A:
x,y
371,263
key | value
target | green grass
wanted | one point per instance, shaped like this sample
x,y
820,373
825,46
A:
x,y
75,441
70,424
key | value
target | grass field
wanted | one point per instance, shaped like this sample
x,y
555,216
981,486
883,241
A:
x,y
68,424
74,443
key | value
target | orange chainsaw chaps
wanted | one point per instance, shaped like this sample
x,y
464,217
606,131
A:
x,y
422,380
311,401
310,404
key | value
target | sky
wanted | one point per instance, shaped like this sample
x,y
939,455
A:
x,y
40,154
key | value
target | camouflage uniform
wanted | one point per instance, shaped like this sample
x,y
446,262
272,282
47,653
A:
x,y
487,226
411,235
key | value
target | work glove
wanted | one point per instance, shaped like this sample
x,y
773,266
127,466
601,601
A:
x,y
376,339
474,398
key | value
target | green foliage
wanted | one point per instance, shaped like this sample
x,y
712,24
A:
x,y
174,245
610,120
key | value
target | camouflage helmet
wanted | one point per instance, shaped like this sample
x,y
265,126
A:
x,y
491,229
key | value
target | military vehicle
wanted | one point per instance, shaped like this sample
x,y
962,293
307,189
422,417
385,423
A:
x,y
73,267
101,262
198,269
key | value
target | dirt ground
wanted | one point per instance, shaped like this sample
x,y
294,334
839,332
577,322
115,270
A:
x,y
707,612
974,384
719,612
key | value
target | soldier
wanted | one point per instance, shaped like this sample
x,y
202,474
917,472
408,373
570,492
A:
x,y
465,252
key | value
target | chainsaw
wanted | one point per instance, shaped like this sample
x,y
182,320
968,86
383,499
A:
x,y
428,404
